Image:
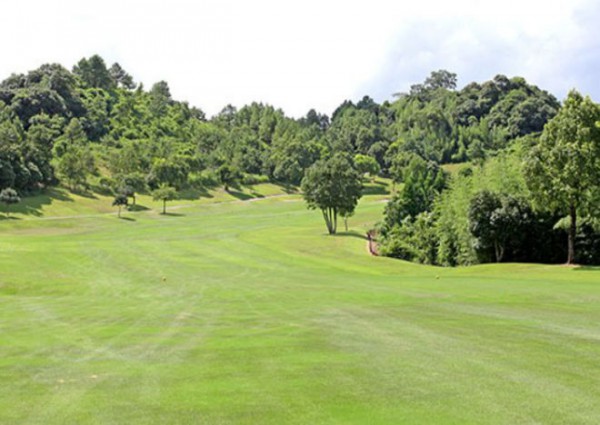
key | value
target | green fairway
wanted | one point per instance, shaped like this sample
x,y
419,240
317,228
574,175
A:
x,y
240,312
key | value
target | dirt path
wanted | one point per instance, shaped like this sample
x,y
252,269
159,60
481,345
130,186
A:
x,y
371,243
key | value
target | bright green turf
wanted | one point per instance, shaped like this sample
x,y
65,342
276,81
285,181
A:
x,y
246,312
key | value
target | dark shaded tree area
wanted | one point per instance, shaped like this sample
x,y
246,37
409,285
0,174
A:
x,y
534,201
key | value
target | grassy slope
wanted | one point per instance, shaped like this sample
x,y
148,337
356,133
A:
x,y
246,312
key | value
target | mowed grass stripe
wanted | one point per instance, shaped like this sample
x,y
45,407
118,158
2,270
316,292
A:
x,y
246,312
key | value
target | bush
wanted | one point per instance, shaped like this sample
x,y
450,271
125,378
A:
x,y
252,179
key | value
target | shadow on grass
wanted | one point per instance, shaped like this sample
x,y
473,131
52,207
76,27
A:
x,y
288,188
240,195
84,193
10,217
172,214
137,207
351,234
195,193
33,205
127,218
587,269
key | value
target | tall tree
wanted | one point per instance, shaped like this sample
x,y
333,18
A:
x,y
94,73
160,98
334,187
121,77
563,169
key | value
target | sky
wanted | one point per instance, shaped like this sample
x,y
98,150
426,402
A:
x,y
298,55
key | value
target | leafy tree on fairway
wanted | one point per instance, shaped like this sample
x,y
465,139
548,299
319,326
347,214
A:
x,y
120,201
9,196
164,193
563,170
333,186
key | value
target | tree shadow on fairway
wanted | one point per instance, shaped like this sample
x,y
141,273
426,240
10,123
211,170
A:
x,y
127,218
137,207
241,195
33,205
587,269
195,193
10,217
84,193
172,214
351,234
287,188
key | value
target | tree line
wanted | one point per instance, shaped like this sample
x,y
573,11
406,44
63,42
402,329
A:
x,y
94,128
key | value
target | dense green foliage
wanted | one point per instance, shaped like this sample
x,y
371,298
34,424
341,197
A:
x,y
95,124
563,170
164,193
334,187
121,200
95,129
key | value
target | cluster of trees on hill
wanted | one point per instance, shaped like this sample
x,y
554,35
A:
x,y
95,123
536,200
95,128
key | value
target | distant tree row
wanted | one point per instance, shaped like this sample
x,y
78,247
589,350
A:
x,y
95,126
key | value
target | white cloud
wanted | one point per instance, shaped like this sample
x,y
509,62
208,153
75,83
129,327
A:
x,y
298,55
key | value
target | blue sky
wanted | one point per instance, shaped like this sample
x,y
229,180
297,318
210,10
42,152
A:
x,y
312,53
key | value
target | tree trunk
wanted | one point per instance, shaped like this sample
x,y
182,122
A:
x,y
327,217
334,220
572,234
119,214
133,199
164,206
346,223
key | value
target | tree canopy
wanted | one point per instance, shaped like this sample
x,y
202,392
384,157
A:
x,y
334,187
94,128
563,169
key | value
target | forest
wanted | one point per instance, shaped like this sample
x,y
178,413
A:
x,y
498,171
